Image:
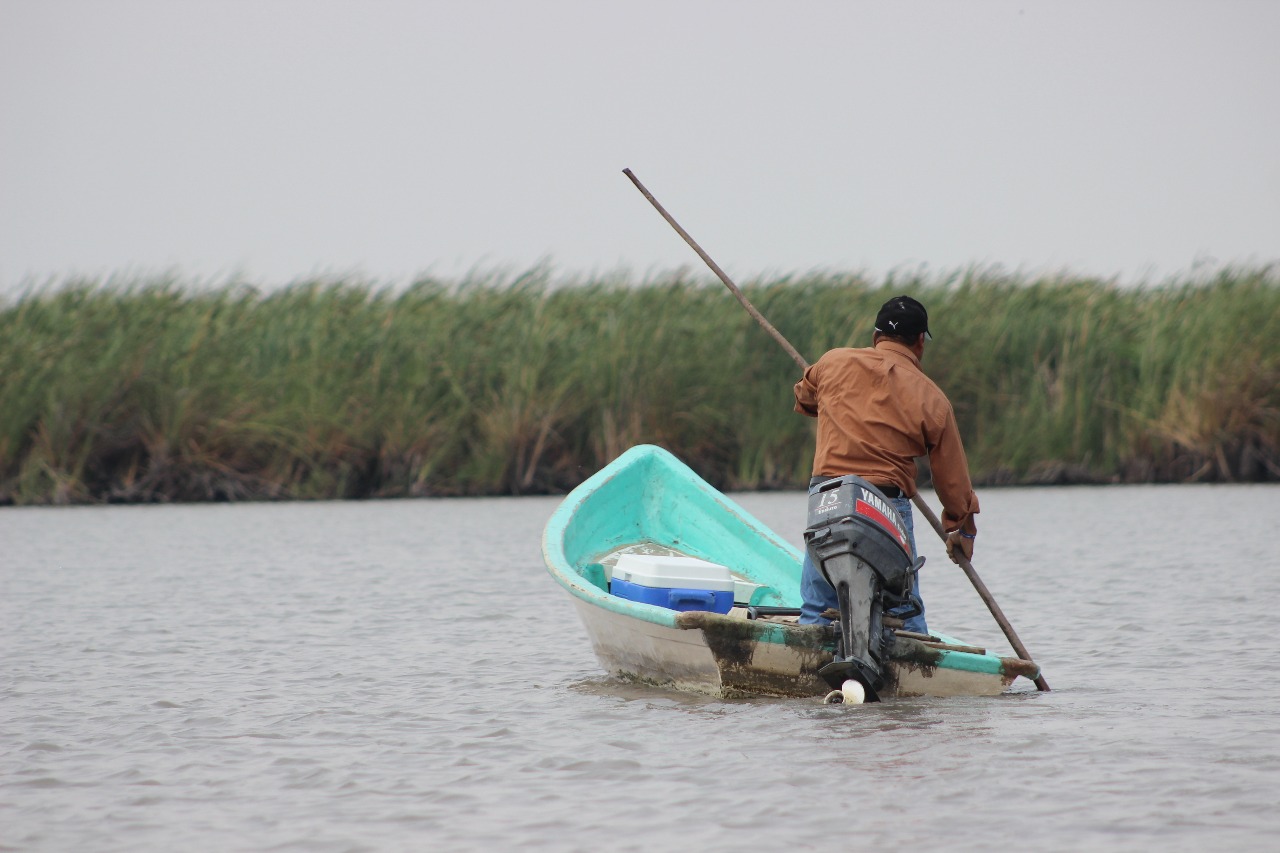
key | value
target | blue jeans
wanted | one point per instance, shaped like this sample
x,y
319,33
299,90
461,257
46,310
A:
x,y
818,595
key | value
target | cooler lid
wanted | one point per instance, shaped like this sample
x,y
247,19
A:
x,y
677,572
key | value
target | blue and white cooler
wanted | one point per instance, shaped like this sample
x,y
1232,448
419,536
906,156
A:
x,y
677,583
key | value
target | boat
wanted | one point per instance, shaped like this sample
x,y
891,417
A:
x,y
648,502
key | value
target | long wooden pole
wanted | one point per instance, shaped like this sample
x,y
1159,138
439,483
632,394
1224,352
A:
x,y
715,268
981,588
965,565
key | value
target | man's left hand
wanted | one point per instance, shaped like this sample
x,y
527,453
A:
x,y
959,545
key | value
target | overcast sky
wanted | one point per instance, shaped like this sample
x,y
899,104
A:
x,y
276,139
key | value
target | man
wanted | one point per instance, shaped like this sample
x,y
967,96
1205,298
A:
x,y
877,412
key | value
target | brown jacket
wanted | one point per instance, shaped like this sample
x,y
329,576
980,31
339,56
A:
x,y
877,412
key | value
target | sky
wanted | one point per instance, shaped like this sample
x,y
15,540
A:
x,y
273,140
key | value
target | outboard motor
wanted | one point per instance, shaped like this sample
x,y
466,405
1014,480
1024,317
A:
x,y
859,542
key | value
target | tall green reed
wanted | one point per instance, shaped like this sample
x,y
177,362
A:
x,y
137,391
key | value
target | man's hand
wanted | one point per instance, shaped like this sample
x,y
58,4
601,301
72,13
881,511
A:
x,y
959,545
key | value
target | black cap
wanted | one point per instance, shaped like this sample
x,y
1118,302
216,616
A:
x,y
903,317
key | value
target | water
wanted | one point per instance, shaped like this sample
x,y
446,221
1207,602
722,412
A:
x,y
404,675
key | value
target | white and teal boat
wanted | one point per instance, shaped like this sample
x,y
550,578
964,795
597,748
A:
x,y
648,502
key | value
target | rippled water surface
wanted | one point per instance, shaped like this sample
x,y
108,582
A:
x,y
405,675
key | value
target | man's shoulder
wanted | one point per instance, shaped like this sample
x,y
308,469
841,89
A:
x,y
841,362
932,396
843,354
923,385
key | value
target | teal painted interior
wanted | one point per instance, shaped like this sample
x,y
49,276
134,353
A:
x,y
646,494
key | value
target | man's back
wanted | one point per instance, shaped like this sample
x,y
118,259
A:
x,y
877,411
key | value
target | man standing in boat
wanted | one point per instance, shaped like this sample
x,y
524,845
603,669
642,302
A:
x,y
877,412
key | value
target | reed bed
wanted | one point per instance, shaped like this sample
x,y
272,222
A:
x,y
160,391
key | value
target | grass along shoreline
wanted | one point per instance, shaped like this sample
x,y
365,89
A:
x,y
153,391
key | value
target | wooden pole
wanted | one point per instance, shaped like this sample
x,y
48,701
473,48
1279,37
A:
x,y
981,588
715,268
965,565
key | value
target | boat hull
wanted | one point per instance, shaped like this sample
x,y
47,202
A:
x,y
731,657
647,499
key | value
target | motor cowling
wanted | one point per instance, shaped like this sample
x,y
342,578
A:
x,y
859,542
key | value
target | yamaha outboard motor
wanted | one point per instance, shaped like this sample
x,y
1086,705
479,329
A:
x,y
858,541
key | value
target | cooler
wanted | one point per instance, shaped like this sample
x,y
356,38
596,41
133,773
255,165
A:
x,y
677,583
